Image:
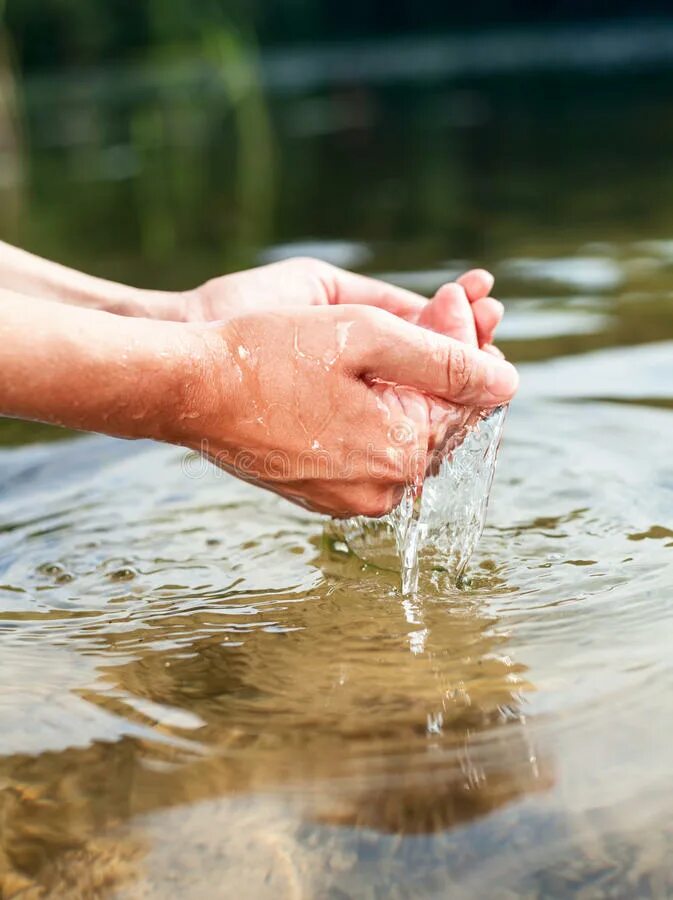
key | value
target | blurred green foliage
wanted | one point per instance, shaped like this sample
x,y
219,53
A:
x,y
76,32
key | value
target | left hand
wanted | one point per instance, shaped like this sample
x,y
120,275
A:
x,y
466,312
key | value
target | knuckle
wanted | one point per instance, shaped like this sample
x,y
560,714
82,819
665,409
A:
x,y
371,317
458,370
321,274
310,264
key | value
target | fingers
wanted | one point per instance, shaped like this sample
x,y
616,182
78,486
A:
x,y
488,314
477,283
450,313
347,287
401,353
472,318
449,316
462,310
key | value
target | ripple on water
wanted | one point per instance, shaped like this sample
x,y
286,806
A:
x,y
211,644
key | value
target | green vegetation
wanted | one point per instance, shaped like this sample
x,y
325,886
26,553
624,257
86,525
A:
x,y
69,32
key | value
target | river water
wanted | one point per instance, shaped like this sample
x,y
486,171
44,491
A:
x,y
204,694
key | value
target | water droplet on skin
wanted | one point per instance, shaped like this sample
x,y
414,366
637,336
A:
x,y
297,349
328,358
343,330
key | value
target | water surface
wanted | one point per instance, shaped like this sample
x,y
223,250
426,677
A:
x,y
203,695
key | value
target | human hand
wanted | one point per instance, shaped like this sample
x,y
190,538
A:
x,y
296,282
310,282
333,407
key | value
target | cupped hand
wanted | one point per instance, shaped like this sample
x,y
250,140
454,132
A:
x,y
310,282
332,406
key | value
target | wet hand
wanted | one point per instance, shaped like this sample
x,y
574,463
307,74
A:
x,y
310,282
331,407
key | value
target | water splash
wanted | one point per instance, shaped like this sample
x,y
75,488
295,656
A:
x,y
440,528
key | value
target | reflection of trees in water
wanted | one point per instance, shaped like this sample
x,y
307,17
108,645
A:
x,y
171,137
348,718
171,163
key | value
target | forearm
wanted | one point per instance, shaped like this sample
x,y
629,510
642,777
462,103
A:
x,y
27,274
91,371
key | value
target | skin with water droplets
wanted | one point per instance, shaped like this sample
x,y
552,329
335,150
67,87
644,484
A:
x,y
345,366
441,516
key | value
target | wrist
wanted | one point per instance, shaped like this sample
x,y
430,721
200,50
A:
x,y
93,371
206,382
155,371
192,306
123,300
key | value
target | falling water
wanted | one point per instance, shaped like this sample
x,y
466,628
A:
x,y
440,528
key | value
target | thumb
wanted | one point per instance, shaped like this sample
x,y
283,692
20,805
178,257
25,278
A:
x,y
415,357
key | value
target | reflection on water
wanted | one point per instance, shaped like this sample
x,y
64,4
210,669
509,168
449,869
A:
x,y
198,688
165,667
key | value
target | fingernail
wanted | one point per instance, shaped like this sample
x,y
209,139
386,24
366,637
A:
x,y
502,379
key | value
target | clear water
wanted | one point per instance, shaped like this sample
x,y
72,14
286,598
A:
x,y
200,693
438,530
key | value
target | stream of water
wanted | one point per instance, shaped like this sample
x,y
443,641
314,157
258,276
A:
x,y
437,530
201,693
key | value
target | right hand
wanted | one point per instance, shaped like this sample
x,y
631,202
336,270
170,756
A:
x,y
332,407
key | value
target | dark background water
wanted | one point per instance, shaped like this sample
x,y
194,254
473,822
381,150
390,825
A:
x,y
197,687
